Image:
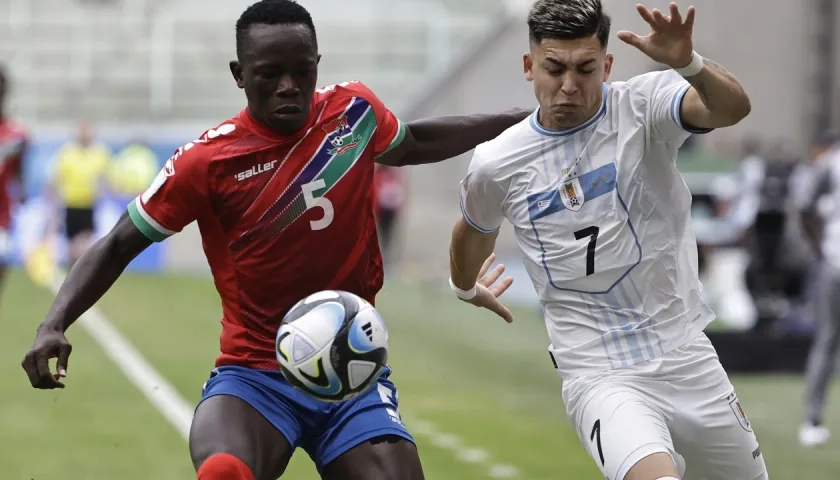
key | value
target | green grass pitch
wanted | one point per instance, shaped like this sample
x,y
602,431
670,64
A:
x,y
469,374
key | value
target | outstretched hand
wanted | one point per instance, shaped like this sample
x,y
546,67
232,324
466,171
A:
x,y
487,294
669,41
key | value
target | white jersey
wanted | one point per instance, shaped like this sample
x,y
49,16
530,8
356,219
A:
x,y
825,198
602,218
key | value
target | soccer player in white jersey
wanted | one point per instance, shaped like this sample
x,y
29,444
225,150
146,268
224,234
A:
x,y
602,218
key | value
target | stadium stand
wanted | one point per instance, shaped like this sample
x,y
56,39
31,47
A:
x,y
140,59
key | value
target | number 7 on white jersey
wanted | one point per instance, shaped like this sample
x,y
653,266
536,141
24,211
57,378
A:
x,y
323,202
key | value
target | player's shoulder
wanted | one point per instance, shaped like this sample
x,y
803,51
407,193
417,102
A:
x,y
211,144
351,88
644,85
508,145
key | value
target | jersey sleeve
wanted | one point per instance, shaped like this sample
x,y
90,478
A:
x,y
390,130
482,197
663,93
175,196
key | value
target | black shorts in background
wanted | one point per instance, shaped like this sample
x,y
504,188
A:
x,y
78,220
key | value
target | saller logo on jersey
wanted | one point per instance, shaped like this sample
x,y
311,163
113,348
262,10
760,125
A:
x,y
255,170
341,136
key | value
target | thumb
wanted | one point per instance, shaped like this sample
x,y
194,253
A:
x,y
63,359
630,38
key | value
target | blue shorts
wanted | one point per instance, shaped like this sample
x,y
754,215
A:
x,y
324,430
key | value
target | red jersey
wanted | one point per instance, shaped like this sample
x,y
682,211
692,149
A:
x,y
13,142
281,216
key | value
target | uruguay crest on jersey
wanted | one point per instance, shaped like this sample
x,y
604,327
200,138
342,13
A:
x,y
571,193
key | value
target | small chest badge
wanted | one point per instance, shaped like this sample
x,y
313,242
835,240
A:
x,y
341,136
571,193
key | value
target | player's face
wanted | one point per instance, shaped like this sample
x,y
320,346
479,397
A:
x,y
568,76
278,69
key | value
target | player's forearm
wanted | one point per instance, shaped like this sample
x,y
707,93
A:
x,y
441,138
724,98
93,274
467,253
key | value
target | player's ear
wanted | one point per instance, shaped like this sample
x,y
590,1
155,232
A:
x,y
608,62
236,71
319,59
528,66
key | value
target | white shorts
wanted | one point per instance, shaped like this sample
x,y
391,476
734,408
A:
x,y
681,404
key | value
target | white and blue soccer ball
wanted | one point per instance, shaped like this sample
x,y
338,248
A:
x,y
332,345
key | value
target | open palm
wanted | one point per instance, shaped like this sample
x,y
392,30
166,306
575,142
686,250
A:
x,y
669,41
488,292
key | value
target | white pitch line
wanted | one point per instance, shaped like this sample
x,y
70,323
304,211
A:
x,y
466,454
161,393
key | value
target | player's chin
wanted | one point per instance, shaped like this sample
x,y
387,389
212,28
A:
x,y
287,122
567,117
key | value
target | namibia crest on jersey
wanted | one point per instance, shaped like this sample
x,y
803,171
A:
x,y
341,136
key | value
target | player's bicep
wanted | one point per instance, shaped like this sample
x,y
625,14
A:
x,y
694,115
173,199
401,143
128,240
668,97
482,199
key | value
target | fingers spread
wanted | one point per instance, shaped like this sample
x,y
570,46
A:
x,y
646,15
494,275
689,17
486,265
676,16
630,38
502,287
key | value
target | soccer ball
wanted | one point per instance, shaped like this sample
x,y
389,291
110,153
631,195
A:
x,y
332,345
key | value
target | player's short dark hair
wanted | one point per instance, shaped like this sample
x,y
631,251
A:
x,y
273,12
568,20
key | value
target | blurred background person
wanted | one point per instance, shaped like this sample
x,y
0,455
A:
x,y
389,191
14,142
132,169
79,180
776,265
821,223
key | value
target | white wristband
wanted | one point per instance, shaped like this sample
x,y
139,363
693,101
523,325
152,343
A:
x,y
463,294
692,68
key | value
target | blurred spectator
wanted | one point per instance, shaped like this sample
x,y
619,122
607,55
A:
x,y
13,144
389,191
133,169
823,230
78,180
778,263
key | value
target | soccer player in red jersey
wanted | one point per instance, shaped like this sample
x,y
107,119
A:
x,y
282,194
13,143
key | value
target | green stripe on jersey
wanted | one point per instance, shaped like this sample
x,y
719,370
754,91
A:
x,y
362,134
146,224
398,138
